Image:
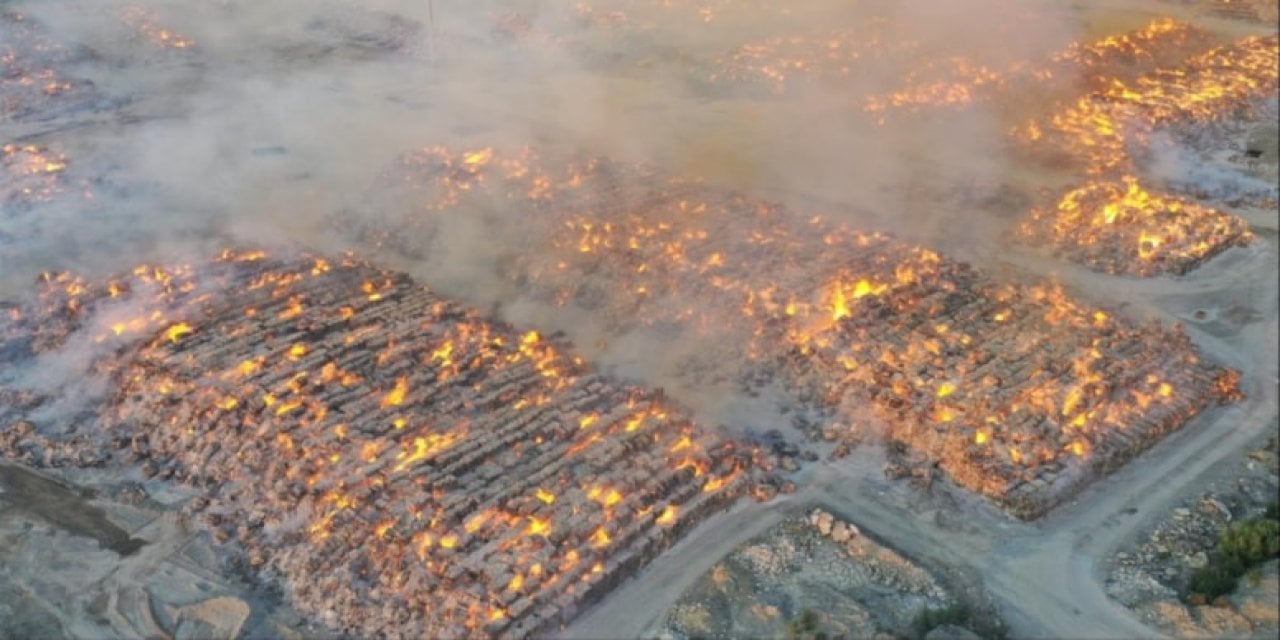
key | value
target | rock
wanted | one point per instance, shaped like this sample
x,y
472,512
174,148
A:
x,y
1181,513
1215,504
789,463
840,532
214,618
824,524
951,632
286,632
764,491
1198,560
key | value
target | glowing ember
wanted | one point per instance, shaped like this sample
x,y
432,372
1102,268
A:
x,y
31,174
396,397
144,22
30,84
174,333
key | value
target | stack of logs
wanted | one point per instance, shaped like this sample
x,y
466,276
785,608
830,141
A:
x,y
30,174
32,87
1016,390
1104,133
1121,228
405,467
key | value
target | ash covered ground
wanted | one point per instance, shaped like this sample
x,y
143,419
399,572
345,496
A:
x,y
875,248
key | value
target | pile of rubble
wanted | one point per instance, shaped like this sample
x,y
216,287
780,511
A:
x,y
403,466
32,85
884,565
1151,575
1121,228
817,572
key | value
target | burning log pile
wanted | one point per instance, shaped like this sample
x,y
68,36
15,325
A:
x,y
1016,391
144,23
1120,228
946,80
403,466
440,182
779,62
30,174
1116,225
31,84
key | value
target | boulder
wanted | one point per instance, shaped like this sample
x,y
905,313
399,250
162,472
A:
x,y
840,532
220,617
1198,560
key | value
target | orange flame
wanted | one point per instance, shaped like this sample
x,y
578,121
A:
x,y
177,331
668,516
396,396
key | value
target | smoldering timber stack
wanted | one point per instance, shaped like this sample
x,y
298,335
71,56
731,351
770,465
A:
x,y
1016,390
1121,228
34,85
1104,131
404,467
30,174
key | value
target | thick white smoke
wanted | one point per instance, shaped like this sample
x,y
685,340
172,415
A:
x,y
238,121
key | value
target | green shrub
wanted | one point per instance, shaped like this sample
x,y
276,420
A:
x,y
1242,546
928,619
804,625
1217,579
1252,541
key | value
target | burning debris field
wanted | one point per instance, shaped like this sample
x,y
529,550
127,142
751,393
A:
x,y
1121,228
33,82
1115,225
541,315
31,174
1015,390
364,440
